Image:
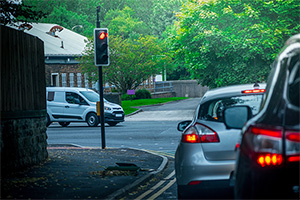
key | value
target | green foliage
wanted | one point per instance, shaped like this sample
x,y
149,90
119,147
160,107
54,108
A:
x,y
16,12
225,42
122,23
131,61
126,97
143,94
129,106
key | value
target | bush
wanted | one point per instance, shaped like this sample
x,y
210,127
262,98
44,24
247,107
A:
x,y
126,97
143,94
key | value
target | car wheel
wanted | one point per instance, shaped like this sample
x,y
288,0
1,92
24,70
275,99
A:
x,y
112,123
48,122
92,119
64,124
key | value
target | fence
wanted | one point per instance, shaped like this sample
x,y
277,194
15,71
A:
x,y
23,139
22,71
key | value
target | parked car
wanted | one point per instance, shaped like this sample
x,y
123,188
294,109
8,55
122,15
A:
x,y
205,157
269,154
70,104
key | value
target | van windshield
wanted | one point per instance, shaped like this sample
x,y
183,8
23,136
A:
x,y
91,96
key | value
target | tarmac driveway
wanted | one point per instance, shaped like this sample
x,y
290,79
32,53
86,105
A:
x,y
173,111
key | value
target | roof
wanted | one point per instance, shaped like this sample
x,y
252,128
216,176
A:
x,y
228,91
73,89
54,37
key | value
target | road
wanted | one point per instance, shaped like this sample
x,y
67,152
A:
x,y
154,129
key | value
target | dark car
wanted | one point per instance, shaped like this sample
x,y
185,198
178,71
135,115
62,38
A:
x,y
269,153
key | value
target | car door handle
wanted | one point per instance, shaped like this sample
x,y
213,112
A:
x,y
67,106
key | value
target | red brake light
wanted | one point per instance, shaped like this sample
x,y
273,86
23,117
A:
x,y
292,146
199,133
194,182
253,91
191,138
293,136
269,159
267,132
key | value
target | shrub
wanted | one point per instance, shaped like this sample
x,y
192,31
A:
x,y
143,94
126,97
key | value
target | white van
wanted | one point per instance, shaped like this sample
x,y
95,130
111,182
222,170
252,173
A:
x,y
70,104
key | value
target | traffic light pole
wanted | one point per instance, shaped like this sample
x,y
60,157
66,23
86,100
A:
x,y
102,119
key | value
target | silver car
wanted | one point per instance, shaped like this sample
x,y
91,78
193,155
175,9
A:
x,y
205,157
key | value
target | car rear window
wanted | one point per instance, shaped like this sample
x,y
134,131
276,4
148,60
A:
x,y
213,110
294,81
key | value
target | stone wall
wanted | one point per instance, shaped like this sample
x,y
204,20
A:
x,y
188,88
24,143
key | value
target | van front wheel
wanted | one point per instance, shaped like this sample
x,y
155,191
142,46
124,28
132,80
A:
x,y
92,119
64,124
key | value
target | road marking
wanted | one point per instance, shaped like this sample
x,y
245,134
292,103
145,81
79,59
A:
x,y
163,189
157,186
170,175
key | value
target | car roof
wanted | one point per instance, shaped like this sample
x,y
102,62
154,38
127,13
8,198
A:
x,y
228,91
70,89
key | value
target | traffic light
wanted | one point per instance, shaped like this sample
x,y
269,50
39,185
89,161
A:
x,y
101,47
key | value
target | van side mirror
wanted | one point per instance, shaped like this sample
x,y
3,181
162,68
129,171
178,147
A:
x,y
182,125
235,117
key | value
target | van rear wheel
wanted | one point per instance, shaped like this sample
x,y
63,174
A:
x,y
48,122
64,124
92,119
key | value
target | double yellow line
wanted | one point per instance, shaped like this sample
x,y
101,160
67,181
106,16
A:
x,y
160,183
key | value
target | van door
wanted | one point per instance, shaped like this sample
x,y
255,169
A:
x,y
56,104
75,106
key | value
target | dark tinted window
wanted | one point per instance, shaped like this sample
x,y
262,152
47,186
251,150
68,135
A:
x,y
213,110
294,81
50,96
74,98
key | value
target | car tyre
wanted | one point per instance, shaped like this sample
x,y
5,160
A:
x,y
92,120
64,124
112,123
48,122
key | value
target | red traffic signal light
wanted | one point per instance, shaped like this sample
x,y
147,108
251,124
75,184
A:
x,y
103,35
101,47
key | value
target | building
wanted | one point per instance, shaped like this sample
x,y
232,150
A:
x,y
62,48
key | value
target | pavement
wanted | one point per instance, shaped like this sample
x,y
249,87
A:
x,y
73,172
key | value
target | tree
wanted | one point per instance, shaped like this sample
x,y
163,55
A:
x,y
131,61
225,42
122,23
11,11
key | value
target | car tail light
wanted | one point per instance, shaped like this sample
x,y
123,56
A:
x,y
199,133
194,182
292,146
266,145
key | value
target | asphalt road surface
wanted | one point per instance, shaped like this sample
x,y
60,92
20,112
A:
x,y
155,128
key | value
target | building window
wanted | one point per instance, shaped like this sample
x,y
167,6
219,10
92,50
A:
x,y
71,76
64,80
78,79
54,79
86,80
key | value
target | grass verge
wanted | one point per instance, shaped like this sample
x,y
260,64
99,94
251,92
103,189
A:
x,y
128,106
